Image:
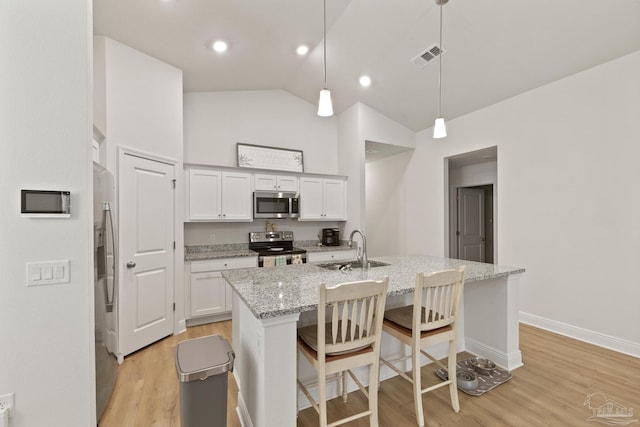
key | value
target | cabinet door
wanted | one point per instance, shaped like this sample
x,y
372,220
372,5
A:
x,y
334,199
287,183
311,199
208,294
204,195
265,182
236,197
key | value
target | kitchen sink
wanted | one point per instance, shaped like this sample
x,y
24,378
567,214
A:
x,y
354,265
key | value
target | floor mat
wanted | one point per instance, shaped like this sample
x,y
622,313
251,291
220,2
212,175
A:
x,y
485,382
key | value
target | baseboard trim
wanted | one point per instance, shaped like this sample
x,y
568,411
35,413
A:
x,y
508,361
196,321
596,338
182,326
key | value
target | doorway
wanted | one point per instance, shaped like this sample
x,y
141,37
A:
x,y
471,179
474,223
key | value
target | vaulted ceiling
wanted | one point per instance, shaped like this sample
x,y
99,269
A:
x,y
495,49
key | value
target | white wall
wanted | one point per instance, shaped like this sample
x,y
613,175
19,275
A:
x,y
47,347
143,103
386,199
567,211
215,121
357,125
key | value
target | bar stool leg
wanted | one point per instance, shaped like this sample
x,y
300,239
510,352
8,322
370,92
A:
x,y
417,384
453,387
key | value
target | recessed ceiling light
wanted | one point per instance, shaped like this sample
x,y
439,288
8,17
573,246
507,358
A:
x,y
302,50
365,81
219,46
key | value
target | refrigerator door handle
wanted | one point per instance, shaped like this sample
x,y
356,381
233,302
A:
x,y
106,207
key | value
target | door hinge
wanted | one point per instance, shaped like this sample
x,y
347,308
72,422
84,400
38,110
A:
x,y
457,233
174,245
173,181
174,306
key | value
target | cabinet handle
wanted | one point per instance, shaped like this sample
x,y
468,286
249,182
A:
x,y
131,264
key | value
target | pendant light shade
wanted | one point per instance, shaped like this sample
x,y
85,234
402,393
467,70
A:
x,y
325,106
440,127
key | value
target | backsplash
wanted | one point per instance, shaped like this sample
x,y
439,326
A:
x,y
225,233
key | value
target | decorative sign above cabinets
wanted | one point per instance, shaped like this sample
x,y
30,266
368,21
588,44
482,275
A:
x,y
260,157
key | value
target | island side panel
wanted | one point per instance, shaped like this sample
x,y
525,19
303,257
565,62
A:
x,y
265,367
491,316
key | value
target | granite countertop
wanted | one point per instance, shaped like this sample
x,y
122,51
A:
x,y
236,250
277,291
206,252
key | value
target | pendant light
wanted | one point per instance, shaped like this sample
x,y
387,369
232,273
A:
x,y
440,127
325,106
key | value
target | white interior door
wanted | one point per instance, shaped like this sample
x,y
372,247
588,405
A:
x,y
146,224
471,234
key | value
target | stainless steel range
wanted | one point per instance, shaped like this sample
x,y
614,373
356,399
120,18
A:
x,y
276,248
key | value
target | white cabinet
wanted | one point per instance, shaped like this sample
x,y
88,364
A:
x,y
219,196
323,199
328,256
264,182
208,292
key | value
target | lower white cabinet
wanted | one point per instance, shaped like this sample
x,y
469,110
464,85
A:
x,y
328,256
208,292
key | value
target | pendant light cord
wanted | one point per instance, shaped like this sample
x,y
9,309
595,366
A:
x,y
324,49
440,61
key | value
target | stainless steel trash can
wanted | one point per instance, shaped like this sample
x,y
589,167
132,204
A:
x,y
202,365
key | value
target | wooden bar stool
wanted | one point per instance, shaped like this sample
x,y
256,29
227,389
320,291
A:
x,y
432,319
350,337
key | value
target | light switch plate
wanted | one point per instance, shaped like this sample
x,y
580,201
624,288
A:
x,y
47,273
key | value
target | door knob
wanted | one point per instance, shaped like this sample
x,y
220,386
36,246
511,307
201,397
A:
x,y
131,264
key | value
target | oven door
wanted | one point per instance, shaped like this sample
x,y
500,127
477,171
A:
x,y
275,205
287,259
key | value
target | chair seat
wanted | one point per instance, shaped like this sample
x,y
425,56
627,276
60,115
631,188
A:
x,y
309,334
386,323
403,316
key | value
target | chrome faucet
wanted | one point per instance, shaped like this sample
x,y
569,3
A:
x,y
362,253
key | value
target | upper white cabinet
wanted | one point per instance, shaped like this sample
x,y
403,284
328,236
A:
x,y
264,182
219,196
323,199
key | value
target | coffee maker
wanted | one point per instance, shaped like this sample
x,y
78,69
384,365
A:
x,y
331,237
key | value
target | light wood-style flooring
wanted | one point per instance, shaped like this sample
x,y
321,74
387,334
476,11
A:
x,y
549,390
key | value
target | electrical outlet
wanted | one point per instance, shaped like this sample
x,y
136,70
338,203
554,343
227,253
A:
x,y
212,238
7,401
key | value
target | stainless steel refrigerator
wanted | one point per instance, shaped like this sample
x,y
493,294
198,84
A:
x,y
105,285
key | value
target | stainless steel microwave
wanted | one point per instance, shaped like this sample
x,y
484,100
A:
x,y
268,204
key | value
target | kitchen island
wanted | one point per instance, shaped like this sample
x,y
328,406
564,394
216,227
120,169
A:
x,y
270,303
